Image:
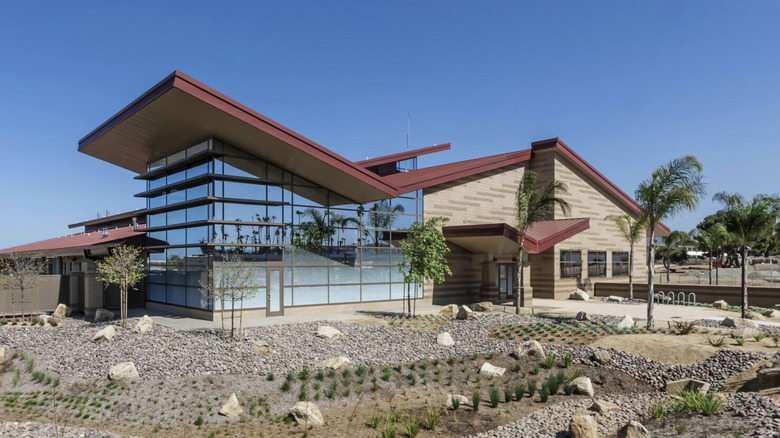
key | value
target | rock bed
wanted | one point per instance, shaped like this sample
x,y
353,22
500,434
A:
x,y
718,325
761,411
625,301
35,430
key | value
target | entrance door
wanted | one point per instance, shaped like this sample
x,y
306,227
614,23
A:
x,y
505,279
274,301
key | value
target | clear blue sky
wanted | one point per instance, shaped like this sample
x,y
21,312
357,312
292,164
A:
x,y
629,85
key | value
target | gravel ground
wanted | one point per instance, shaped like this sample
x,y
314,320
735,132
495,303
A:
x,y
37,430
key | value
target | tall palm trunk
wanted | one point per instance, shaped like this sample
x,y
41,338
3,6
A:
x,y
631,272
520,277
650,275
744,281
710,268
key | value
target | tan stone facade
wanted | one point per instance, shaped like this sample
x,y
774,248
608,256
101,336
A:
x,y
489,198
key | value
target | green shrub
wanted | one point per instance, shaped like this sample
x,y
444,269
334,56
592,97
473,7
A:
x,y
567,359
388,431
716,342
568,388
494,397
507,394
269,377
475,399
373,420
758,336
432,418
320,376
304,374
548,362
544,393
285,386
740,340
658,410
303,395
535,371
531,387
199,421
412,427
519,392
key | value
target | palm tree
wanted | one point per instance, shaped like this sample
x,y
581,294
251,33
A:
x,y
748,222
632,230
381,217
672,188
673,242
535,204
712,239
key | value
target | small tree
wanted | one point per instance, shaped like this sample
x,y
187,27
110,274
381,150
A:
x,y
22,273
632,230
232,280
673,251
748,222
712,239
673,188
533,205
424,249
124,267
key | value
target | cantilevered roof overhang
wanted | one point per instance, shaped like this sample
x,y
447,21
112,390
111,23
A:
x,y
503,238
179,112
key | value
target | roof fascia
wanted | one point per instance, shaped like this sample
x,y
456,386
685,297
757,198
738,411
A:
x,y
401,156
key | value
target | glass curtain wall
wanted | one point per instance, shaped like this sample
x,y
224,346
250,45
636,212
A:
x,y
211,197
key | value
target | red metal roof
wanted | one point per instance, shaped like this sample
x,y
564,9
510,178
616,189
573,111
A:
x,y
540,236
435,175
401,156
81,240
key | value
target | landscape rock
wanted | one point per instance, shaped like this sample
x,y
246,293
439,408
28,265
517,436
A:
x,y
449,309
232,408
583,426
602,356
530,348
46,319
262,347
2,354
465,314
489,370
633,429
769,376
464,401
328,332
144,325
676,387
103,315
61,311
602,406
445,339
771,313
123,372
336,362
582,316
746,333
626,323
484,306
579,294
615,299
754,316
739,323
582,385
720,304
105,334
307,413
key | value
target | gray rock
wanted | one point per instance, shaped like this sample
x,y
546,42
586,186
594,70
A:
x,y
307,413
144,325
676,387
601,356
579,294
530,348
465,314
445,339
262,347
739,323
633,429
626,323
123,372
449,309
105,334
464,401
771,313
582,385
582,316
583,426
336,362
103,315
720,304
489,370
232,408
328,332
484,306
615,299
61,311
602,406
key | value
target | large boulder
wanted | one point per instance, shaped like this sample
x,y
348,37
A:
x,y
61,311
603,407
530,348
626,323
615,299
449,309
465,313
144,325
103,315
582,316
739,323
464,401
232,408
328,332
601,356
262,347
484,306
676,387
582,385
105,334
633,429
583,426
769,376
124,372
336,362
771,313
445,339
580,295
720,304
2,354
489,370
746,333
754,316
307,413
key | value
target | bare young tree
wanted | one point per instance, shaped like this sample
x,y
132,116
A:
x,y
232,280
125,268
21,272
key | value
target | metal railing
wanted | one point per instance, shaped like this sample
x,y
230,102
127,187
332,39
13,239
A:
x,y
680,298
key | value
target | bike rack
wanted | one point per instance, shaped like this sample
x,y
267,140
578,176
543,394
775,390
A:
x,y
692,299
681,298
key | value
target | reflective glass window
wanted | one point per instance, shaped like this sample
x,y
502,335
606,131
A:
x,y
177,156
239,190
197,170
198,235
198,213
310,295
198,298
157,292
176,177
176,196
177,295
376,274
156,183
154,165
344,294
176,217
177,236
200,147
198,192
398,291
344,275
157,201
309,276
156,220
375,292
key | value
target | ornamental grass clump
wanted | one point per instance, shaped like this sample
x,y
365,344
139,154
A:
x,y
494,397
455,403
475,399
548,362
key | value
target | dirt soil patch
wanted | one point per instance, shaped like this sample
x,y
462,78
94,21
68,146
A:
x,y
697,426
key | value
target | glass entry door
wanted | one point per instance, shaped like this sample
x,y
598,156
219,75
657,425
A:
x,y
274,305
505,277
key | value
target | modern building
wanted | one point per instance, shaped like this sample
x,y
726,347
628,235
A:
x,y
322,230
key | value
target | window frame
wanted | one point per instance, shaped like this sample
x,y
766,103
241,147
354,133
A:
x,y
574,265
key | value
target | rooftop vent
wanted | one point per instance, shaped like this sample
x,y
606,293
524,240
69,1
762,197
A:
x,y
105,232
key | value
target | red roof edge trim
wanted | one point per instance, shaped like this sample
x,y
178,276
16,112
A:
x,y
557,143
78,240
401,156
552,232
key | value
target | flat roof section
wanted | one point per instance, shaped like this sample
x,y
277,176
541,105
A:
x,y
180,111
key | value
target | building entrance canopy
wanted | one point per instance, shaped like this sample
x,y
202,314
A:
x,y
503,238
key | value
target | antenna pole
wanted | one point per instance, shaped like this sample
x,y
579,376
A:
x,y
408,128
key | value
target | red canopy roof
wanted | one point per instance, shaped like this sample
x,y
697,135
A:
x,y
540,236
80,241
